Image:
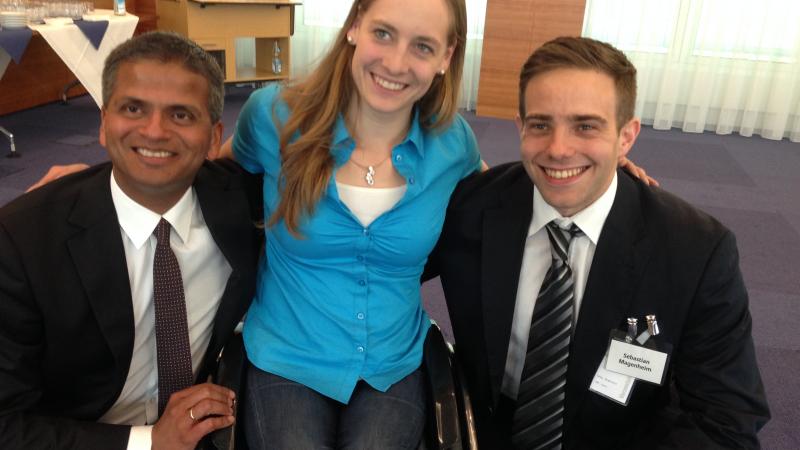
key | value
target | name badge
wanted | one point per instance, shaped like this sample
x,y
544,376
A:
x,y
612,385
638,362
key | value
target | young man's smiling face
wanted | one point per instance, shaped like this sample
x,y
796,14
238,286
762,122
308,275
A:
x,y
157,130
570,140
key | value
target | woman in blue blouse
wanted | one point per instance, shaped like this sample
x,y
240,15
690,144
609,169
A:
x,y
359,160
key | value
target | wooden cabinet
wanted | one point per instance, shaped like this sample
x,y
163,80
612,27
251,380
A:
x,y
217,24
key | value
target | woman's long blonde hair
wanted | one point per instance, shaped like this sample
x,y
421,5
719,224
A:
x,y
316,101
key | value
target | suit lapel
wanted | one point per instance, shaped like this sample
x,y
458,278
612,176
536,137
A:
x,y
505,230
222,214
619,260
99,257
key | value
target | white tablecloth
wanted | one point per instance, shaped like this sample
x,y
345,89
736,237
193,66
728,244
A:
x,y
4,60
86,62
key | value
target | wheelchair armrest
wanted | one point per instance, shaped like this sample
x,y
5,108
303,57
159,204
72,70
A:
x,y
231,369
443,423
466,416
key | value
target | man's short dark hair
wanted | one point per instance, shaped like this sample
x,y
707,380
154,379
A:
x,y
584,53
167,47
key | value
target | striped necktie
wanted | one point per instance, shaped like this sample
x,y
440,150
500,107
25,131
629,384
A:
x,y
538,417
173,354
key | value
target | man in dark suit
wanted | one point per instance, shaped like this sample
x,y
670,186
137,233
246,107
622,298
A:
x,y
532,344
80,344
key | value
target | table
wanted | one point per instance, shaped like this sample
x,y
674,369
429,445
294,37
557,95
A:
x,y
80,56
4,60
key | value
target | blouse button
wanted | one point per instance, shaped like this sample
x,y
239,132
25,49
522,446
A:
x,y
361,282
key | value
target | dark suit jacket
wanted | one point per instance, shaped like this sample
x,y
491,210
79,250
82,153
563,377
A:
x,y
66,320
655,255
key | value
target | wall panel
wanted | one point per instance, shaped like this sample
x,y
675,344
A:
x,y
513,29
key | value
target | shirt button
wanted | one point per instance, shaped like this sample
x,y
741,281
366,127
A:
x,y
398,158
366,232
361,282
360,316
360,258
410,180
360,349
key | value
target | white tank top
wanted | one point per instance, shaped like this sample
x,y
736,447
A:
x,y
368,203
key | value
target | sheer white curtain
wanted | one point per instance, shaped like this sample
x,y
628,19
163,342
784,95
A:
x,y
318,21
720,65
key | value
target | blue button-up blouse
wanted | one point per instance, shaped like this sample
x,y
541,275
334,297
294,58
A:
x,y
342,303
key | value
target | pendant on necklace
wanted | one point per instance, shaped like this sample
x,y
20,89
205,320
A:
x,y
370,176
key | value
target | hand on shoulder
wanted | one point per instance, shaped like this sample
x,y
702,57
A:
x,y
57,172
637,171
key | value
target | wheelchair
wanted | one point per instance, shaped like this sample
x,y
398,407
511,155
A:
x,y
450,425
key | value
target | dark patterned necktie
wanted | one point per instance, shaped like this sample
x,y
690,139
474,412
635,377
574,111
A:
x,y
173,354
538,417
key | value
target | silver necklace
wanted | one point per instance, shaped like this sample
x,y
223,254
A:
x,y
370,169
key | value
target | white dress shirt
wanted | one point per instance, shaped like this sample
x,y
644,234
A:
x,y
536,261
205,273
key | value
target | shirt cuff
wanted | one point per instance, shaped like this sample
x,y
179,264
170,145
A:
x,y
140,438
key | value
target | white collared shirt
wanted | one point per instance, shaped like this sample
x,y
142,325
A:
x,y
535,263
205,273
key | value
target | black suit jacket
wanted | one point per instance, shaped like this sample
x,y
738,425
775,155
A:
x,y
66,317
656,255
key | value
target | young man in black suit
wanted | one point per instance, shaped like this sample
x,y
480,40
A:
x,y
80,344
533,344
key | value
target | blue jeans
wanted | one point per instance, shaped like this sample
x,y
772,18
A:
x,y
282,414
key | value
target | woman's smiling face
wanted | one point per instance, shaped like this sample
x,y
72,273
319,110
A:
x,y
400,47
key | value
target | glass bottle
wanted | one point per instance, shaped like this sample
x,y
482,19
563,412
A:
x,y
277,66
119,7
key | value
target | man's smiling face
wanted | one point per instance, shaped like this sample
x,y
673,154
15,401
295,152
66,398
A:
x,y
157,130
570,141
